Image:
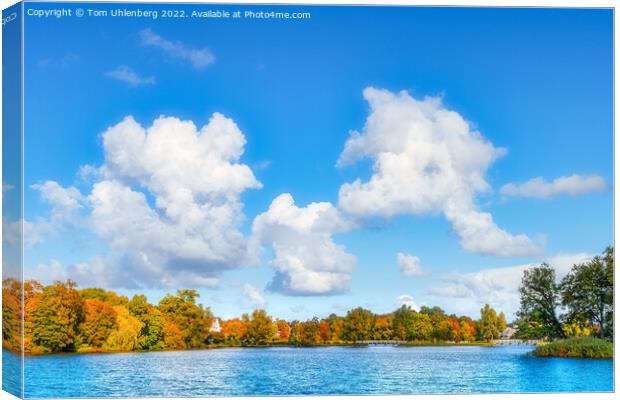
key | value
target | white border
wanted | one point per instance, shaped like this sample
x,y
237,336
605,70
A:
x,y
470,3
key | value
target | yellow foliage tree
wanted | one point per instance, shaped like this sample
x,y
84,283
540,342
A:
x,y
125,336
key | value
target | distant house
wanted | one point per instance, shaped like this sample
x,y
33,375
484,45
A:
x,y
215,326
508,333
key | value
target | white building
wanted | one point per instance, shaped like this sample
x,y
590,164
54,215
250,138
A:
x,y
508,333
215,326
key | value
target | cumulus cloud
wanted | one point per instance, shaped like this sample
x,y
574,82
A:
x,y
125,74
406,300
409,265
426,160
169,199
198,58
306,258
498,287
253,297
572,185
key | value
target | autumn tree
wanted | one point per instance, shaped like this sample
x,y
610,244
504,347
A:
x,y
501,322
11,314
358,324
99,322
308,332
234,330
455,328
259,328
283,329
56,321
173,336
325,333
382,328
191,318
468,329
336,327
33,292
126,335
488,325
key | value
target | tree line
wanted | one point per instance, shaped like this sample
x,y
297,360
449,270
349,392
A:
x,y
62,318
580,304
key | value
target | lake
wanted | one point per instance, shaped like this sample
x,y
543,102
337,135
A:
x,y
310,371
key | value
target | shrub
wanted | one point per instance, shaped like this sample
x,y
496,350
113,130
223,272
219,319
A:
x,y
582,347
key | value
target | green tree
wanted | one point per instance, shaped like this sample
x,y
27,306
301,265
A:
x,y
408,324
107,296
152,334
138,306
259,328
57,318
441,326
540,297
587,293
401,322
358,324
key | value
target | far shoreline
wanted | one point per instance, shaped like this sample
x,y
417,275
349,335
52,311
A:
x,y
272,345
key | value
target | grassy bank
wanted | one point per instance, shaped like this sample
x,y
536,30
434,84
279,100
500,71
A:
x,y
581,347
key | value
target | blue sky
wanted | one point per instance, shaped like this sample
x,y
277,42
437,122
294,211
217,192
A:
x,y
535,82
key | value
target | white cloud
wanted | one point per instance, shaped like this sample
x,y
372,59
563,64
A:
x,y
199,58
169,199
11,232
65,202
253,297
409,265
97,272
572,185
406,300
306,259
6,187
498,287
426,160
125,74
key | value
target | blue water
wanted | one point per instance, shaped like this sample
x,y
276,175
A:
x,y
305,371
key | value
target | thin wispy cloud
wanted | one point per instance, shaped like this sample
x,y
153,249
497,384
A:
x,y
199,58
6,187
565,185
125,74
62,62
467,292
